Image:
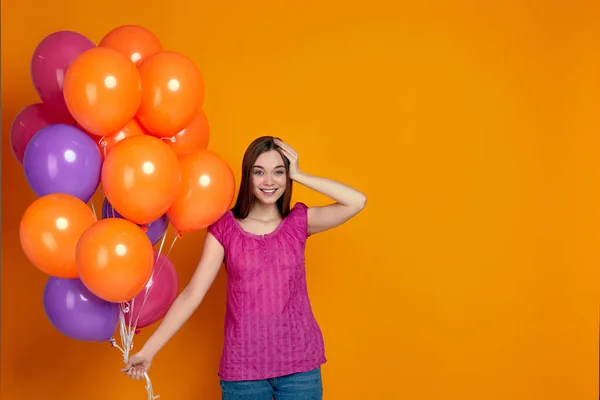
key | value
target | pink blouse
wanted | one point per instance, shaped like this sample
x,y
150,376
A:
x,y
270,329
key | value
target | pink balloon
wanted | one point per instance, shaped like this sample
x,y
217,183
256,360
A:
x,y
28,122
49,64
160,292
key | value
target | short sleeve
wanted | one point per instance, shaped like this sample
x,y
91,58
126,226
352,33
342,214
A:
x,y
300,214
219,229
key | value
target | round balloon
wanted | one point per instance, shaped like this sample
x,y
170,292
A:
x,y
154,230
102,90
172,93
157,297
61,158
193,137
140,178
49,64
28,122
134,42
106,144
49,231
206,191
77,313
114,259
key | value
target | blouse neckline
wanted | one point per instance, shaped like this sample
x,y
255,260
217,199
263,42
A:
x,y
254,235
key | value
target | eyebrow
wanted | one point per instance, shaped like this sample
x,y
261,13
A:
x,y
261,167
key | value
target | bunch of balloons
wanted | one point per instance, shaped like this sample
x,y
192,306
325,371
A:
x,y
126,117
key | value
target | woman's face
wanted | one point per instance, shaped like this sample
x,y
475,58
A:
x,y
269,177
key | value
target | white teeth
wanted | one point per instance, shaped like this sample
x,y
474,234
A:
x,y
268,190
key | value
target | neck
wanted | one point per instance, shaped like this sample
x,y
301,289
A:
x,y
264,211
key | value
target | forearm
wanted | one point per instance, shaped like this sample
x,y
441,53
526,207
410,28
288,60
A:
x,y
341,193
181,310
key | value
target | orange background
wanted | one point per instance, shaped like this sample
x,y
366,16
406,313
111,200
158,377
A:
x,y
474,128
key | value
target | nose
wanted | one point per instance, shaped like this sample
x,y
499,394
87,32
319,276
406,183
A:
x,y
269,180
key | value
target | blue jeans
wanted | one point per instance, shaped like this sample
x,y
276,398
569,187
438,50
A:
x,y
300,386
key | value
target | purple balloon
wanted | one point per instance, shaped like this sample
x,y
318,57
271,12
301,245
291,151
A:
x,y
155,230
78,313
49,64
61,158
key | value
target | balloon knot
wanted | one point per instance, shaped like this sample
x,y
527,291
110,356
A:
x,y
179,235
137,331
145,228
102,142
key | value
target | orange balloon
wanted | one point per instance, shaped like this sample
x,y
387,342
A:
x,y
115,259
193,137
206,192
134,42
50,230
108,143
172,93
102,90
140,178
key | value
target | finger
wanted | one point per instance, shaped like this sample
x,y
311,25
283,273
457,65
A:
x,y
290,155
284,146
286,153
291,160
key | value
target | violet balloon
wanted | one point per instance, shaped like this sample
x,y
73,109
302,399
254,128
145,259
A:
x,y
159,294
61,158
49,63
77,313
154,230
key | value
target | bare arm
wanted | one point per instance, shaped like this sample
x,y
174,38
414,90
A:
x,y
348,201
190,298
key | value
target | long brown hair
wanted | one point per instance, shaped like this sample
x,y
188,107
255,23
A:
x,y
246,198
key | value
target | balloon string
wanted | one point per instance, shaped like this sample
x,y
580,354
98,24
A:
x,y
102,143
133,328
125,348
158,269
160,248
171,139
93,209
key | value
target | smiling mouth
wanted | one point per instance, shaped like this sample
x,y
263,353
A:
x,y
268,191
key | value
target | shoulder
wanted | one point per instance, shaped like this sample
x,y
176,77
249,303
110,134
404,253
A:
x,y
299,211
299,207
221,228
299,217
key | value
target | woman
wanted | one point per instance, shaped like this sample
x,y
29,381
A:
x,y
273,345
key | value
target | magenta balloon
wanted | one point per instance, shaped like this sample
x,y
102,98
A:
x,y
160,293
28,122
49,63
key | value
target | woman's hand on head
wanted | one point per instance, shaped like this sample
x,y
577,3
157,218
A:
x,y
292,157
